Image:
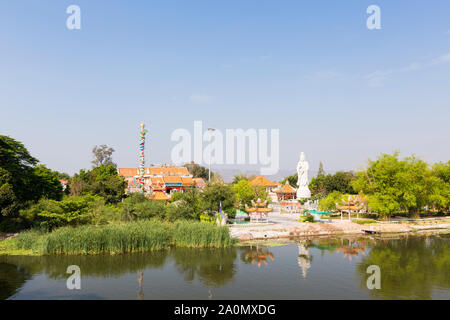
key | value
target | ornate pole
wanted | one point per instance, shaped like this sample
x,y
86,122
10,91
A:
x,y
142,158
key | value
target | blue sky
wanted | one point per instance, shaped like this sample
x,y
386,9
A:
x,y
336,90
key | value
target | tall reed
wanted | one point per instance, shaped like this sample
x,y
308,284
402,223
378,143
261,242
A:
x,y
139,236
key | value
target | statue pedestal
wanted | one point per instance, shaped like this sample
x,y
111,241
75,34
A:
x,y
303,192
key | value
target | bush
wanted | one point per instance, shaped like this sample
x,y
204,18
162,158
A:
x,y
308,218
137,206
71,211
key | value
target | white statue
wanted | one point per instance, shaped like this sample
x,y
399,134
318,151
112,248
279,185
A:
x,y
302,182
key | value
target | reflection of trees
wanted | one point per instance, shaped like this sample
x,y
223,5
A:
x,y
55,266
213,267
410,267
12,278
256,255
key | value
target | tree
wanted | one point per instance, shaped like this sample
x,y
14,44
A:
x,y
292,180
244,193
242,176
320,172
198,171
440,186
393,184
186,205
217,193
102,181
22,181
102,155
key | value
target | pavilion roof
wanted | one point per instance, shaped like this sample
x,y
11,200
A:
x,y
159,196
263,181
286,189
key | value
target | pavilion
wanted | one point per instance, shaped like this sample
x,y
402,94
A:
x,y
285,192
264,182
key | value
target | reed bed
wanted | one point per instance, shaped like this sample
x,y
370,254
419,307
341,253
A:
x,y
201,235
139,236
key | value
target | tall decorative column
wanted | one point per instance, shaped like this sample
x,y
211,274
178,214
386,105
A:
x,y
142,157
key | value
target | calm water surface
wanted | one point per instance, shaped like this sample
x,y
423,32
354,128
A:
x,y
326,268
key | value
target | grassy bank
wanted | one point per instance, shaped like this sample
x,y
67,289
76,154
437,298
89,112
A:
x,y
137,236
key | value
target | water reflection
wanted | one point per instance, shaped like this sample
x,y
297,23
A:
x,y
304,258
256,255
411,267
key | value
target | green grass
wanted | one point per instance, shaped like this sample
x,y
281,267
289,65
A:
x,y
140,236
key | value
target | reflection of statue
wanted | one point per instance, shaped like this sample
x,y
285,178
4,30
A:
x,y
302,182
304,260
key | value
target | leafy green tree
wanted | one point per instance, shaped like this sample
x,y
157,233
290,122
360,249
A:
x,y
48,214
243,176
244,193
440,186
46,183
102,181
217,193
22,181
292,180
393,184
186,205
329,202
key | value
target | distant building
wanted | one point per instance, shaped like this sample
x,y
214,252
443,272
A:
x,y
63,184
264,182
166,179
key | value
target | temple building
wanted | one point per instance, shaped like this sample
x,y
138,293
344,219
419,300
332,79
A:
x,y
264,182
166,179
285,192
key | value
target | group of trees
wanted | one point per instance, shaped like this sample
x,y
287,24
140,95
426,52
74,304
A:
x,y
404,185
389,185
31,194
22,181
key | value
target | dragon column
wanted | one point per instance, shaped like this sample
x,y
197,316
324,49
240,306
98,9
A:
x,y
142,157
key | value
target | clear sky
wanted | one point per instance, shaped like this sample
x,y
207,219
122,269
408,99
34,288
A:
x,y
336,90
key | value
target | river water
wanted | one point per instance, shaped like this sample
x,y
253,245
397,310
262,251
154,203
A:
x,y
412,267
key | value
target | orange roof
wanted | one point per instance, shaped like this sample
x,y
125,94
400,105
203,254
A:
x,y
285,189
128,171
159,196
187,180
263,181
199,182
160,171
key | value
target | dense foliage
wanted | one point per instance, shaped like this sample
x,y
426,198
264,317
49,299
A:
x,y
22,181
408,184
103,181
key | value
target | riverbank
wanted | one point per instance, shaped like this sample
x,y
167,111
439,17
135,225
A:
x,y
139,236
287,226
